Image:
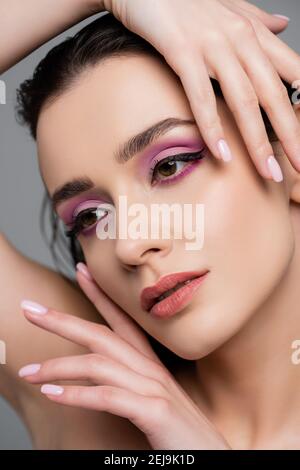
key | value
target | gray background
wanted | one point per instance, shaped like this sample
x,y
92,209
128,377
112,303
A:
x,y
21,188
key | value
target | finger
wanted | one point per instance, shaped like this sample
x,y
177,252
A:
x,y
117,319
199,91
242,101
142,411
274,22
285,60
274,98
101,340
95,368
94,336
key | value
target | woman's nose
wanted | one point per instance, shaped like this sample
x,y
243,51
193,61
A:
x,y
134,252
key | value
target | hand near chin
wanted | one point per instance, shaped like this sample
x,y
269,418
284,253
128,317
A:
x,y
234,42
126,377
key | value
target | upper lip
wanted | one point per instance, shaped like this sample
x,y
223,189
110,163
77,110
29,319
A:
x,y
149,294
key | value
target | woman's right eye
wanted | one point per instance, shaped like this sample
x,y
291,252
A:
x,y
85,220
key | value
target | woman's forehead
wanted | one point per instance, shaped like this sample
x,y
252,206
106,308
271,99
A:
x,y
119,83
108,104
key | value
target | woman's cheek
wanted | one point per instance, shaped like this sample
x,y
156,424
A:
x,y
99,257
227,220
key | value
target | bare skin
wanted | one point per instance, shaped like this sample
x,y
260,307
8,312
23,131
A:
x,y
50,426
31,410
239,332
235,44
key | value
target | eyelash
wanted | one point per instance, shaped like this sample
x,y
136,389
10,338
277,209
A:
x,y
77,224
183,157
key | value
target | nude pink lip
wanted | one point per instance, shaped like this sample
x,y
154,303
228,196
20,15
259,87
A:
x,y
176,301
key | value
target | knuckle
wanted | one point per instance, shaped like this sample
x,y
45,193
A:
x,y
106,396
279,95
73,394
161,408
250,101
101,329
93,361
179,62
213,39
57,315
92,343
182,43
203,100
242,25
205,104
247,102
49,366
98,332
158,389
210,124
262,148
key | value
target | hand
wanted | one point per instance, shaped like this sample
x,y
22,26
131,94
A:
x,y
127,377
233,42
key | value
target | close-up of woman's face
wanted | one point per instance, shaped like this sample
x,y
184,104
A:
x,y
250,224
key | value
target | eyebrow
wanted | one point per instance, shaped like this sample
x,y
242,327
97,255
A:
x,y
123,154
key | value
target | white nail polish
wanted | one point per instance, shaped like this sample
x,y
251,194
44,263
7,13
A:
x,y
275,169
84,270
50,389
30,369
282,16
33,307
224,150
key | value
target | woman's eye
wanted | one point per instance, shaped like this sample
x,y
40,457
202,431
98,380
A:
x,y
168,168
177,165
85,220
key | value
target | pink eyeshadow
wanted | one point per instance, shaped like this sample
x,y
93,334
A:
x,y
170,146
167,148
67,212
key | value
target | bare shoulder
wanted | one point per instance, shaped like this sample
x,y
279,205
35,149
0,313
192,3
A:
x,y
24,278
67,427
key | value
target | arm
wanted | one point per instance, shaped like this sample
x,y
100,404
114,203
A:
x,y
128,378
234,44
33,279
24,26
26,343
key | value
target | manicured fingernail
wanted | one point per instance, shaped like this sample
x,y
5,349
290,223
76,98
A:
x,y
275,169
29,370
50,389
84,270
34,307
282,16
224,150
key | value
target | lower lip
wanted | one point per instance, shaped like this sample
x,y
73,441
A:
x,y
175,302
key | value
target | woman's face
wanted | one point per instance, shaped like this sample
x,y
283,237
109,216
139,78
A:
x,y
248,222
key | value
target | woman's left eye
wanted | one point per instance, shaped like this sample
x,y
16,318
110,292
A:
x,y
165,169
